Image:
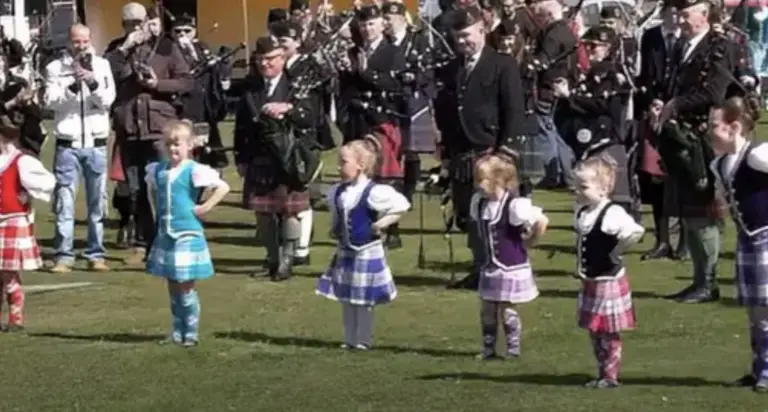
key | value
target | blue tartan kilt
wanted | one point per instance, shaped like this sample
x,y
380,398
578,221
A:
x,y
752,269
182,260
358,277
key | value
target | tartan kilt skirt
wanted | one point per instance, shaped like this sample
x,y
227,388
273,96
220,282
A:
x,y
358,277
516,285
265,191
390,143
18,247
752,269
422,133
182,260
605,306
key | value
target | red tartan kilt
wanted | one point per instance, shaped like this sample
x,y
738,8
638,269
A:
x,y
651,159
116,173
18,247
390,141
264,193
605,306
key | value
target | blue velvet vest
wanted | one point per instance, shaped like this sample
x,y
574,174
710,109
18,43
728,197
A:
x,y
594,250
747,193
175,202
503,242
354,226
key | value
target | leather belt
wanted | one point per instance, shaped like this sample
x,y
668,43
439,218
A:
x,y
68,143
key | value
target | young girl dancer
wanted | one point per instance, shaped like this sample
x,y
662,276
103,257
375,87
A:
x,y
508,224
21,177
742,173
358,275
180,253
604,231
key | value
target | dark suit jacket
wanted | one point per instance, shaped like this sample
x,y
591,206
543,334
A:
x,y
488,108
248,127
655,65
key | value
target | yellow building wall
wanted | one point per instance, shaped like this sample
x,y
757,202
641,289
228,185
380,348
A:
x,y
234,25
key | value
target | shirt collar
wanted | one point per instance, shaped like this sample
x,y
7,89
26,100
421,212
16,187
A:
x,y
374,45
665,32
695,40
399,37
291,60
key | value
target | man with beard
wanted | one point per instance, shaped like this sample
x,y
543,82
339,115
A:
x,y
488,113
150,75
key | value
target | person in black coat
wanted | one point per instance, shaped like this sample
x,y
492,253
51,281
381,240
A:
x,y
488,114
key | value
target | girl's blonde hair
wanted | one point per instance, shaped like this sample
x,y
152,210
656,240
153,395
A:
x,y
497,169
600,169
364,153
178,130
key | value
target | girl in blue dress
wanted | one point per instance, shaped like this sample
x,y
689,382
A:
x,y
179,252
359,277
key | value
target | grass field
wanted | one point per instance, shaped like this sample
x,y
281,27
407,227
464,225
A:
x,y
274,347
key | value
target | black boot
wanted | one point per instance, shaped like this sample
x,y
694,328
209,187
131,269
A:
x,y
285,266
393,240
470,282
125,233
411,175
662,249
703,293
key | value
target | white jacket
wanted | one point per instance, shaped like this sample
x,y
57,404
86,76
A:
x,y
84,116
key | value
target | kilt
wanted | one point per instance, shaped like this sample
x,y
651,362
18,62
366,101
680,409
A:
x,y
605,306
752,269
358,277
390,144
264,191
182,260
515,285
116,172
19,248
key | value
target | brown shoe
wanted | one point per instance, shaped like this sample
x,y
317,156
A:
x,y
98,265
61,267
136,257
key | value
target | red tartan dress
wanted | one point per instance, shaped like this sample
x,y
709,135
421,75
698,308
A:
x,y
605,300
18,247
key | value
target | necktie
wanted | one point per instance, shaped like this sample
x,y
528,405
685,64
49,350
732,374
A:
x,y
268,84
686,48
669,44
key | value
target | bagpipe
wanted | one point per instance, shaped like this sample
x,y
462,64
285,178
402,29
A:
x,y
210,60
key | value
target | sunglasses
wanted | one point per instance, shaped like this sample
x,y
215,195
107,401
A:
x,y
182,31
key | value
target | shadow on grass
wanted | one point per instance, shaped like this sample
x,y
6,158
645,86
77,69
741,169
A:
x,y
574,379
552,273
102,337
721,281
327,344
574,294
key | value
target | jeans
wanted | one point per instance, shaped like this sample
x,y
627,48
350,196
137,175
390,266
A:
x,y
69,165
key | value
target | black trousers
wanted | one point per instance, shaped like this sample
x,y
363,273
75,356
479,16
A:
x,y
136,155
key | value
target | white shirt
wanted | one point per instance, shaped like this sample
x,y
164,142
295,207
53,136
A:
x,y
692,43
757,159
383,199
521,210
35,179
399,37
203,176
84,116
471,62
271,84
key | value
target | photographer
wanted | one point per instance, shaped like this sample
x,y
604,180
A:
x,y
80,90
151,74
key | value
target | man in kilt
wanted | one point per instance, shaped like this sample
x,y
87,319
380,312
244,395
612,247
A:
x,y
372,91
270,124
488,113
699,80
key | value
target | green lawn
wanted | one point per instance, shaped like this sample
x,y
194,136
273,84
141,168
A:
x,y
274,347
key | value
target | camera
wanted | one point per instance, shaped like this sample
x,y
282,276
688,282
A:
x,y
85,60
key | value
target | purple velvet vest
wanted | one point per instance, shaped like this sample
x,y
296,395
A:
x,y
747,194
354,227
504,246
594,250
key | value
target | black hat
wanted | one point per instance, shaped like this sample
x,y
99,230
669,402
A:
x,y
486,4
601,34
511,27
286,29
265,45
368,12
185,20
465,18
276,15
611,12
684,4
393,7
299,5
